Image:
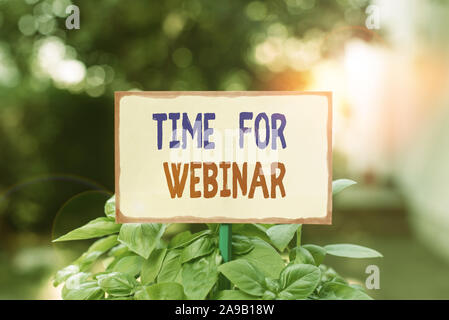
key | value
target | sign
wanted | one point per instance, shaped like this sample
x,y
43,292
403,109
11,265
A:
x,y
223,157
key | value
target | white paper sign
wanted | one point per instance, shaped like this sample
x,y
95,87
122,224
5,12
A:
x,y
223,157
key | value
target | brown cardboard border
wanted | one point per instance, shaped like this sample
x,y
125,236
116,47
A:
x,y
121,218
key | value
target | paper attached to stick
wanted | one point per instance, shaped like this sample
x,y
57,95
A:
x,y
223,157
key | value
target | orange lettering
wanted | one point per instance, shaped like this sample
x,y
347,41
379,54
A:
x,y
240,177
175,186
225,192
258,181
210,180
194,180
277,181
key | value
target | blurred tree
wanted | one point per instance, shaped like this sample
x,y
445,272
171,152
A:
x,y
57,85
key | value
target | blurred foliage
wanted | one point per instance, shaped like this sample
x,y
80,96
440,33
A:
x,y
56,85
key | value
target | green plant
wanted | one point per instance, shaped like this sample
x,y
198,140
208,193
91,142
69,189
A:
x,y
141,264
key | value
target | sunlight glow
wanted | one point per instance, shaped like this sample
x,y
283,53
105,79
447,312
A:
x,y
52,61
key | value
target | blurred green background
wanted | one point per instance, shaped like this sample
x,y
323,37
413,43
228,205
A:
x,y
391,117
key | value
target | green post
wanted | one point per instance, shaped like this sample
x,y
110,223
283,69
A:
x,y
225,246
225,241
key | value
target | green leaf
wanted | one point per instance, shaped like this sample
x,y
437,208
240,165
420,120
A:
x,y
166,291
298,281
234,295
180,238
96,228
199,276
245,276
265,258
318,253
120,298
142,293
251,230
281,234
339,279
77,279
63,274
77,287
268,295
130,264
328,274
103,244
171,267
301,255
99,247
264,226
241,244
152,266
357,287
339,291
87,259
273,285
351,251
88,290
213,227
341,184
141,238
118,251
112,263
199,248
117,284
184,240
161,291
109,208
